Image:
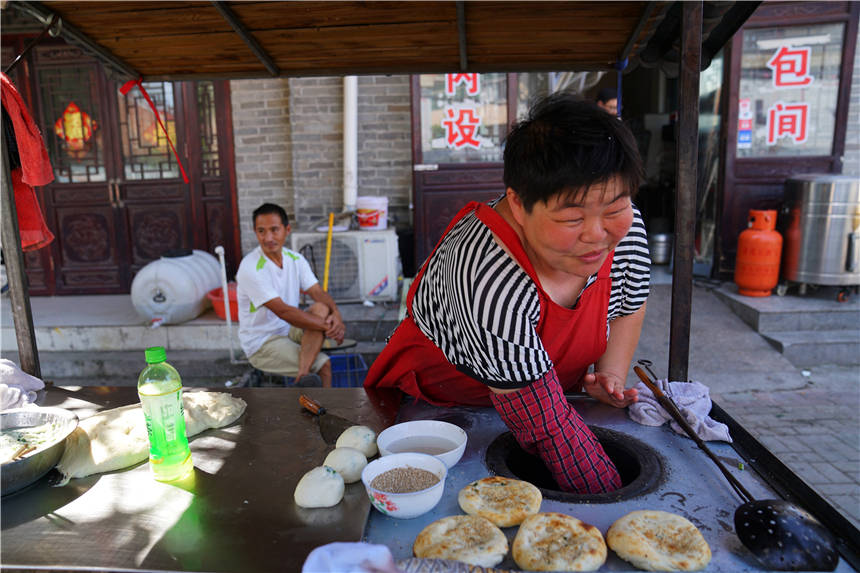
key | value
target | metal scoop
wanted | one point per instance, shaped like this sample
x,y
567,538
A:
x,y
783,536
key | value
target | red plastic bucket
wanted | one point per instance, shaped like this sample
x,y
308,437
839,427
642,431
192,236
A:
x,y
216,295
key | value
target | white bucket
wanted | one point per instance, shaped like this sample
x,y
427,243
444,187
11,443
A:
x,y
372,213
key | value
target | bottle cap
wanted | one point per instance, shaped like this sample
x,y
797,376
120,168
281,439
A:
x,y
155,354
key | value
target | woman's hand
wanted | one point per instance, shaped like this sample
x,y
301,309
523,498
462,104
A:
x,y
609,389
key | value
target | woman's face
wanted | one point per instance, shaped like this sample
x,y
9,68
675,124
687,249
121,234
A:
x,y
574,236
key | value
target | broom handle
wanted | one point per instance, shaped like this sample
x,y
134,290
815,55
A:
x,y
328,251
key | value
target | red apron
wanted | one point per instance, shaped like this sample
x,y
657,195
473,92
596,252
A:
x,y
574,338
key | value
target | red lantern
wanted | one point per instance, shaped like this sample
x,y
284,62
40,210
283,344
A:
x,y
74,126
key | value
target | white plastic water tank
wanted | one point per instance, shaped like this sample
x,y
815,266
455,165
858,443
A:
x,y
173,288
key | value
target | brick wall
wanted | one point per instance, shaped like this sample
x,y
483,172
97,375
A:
x,y
384,153
385,144
262,142
316,109
289,147
851,159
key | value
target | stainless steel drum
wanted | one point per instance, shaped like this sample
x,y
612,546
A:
x,y
821,233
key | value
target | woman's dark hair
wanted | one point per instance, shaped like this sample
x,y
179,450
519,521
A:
x,y
566,145
270,209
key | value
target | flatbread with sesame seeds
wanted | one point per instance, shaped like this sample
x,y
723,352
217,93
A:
x,y
659,541
467,538
504,501
558,542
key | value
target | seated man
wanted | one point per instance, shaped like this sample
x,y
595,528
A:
x,y
276,335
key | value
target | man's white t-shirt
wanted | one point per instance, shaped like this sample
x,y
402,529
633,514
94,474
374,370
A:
x,y
259,281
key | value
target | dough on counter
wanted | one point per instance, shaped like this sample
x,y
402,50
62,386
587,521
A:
x,y
504,501
361,438
659,541
117,438
320,487
348,462
558,542
467,538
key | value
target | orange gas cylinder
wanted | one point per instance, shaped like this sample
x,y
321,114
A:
x,y
759,251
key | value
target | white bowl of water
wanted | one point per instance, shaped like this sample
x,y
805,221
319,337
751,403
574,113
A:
x,y
441,439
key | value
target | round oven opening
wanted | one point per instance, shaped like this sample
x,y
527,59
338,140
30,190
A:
x,y
639,465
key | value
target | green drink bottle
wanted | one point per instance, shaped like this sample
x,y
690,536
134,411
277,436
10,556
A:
x,y
160,389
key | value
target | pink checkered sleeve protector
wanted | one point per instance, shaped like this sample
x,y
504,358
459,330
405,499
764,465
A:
x,y
545,425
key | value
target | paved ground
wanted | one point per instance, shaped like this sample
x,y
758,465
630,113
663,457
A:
x,y
807,417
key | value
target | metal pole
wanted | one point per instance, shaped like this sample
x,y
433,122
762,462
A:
x,y
687,152
22,315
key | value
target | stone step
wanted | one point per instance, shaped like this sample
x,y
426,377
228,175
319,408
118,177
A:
x,y
206,368
806,348
814,312
206,332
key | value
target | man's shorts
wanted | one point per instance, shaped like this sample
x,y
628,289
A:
x,y
280,355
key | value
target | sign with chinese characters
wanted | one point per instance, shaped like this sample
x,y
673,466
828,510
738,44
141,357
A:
x,y
788,90
472,82
745,121
463,117
461,126
790,67
461,122
787,120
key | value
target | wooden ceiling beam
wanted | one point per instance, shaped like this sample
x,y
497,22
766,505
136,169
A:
x,y
247,37
75,36
634,36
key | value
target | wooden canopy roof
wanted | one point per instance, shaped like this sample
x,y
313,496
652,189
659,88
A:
x,y
174,40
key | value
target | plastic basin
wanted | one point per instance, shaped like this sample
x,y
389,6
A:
x,y
216,295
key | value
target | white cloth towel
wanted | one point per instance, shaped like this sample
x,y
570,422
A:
x,y
350,558
693,400
17,388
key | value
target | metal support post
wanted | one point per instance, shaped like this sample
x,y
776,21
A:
x,y
22,315
687,146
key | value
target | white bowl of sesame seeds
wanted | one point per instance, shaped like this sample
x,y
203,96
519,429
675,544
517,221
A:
x,y
405,485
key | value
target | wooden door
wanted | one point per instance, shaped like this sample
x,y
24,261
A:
x,y
459,122
160,211
789,85
118,200
74,113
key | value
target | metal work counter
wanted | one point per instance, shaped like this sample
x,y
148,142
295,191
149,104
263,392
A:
x,y
235,514
691,486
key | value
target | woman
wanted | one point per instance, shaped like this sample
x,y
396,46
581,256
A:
x,y
517,299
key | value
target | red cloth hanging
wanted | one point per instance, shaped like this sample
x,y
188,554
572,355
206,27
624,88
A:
x,y
35,169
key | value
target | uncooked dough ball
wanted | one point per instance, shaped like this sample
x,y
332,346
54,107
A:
x,y
361,438
320,487
348,462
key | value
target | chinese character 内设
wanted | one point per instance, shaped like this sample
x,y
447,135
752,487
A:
x,y
472,81
790,67
461,127
787,120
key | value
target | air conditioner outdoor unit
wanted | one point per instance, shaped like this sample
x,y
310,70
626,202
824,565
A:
x,y
364,264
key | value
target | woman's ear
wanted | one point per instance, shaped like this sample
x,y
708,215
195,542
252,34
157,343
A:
x,y
518,210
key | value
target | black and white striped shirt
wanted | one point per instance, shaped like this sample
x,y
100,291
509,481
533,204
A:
x,y
481,309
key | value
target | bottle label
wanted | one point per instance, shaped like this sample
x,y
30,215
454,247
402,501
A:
x,y
162,413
